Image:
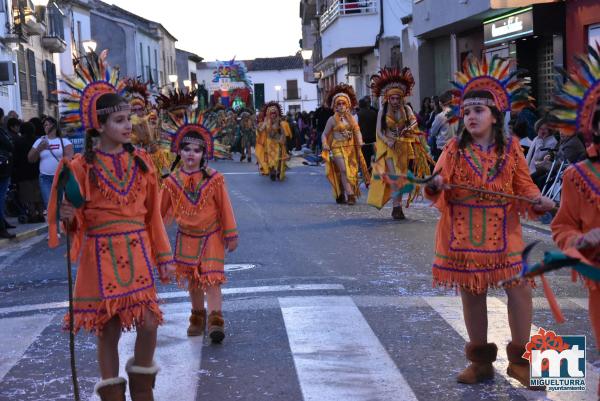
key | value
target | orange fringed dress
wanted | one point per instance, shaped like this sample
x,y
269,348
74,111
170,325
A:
x,y
201,207
479,239
579,213
118,237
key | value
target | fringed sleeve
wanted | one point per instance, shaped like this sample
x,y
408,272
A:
x,y
226,214
161,248
166,205
444,167
286,129
523,185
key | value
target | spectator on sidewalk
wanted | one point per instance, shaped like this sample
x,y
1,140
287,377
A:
x,y
26,175
322,114
49,150
519,130
6,164
571,149
424,113
367,121
441,131
541,146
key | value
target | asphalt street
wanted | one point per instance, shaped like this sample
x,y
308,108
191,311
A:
x,y
323,302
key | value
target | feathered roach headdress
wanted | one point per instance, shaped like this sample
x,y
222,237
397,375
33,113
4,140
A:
x,y
93,78
392,81
177,128
510,92
342,90
176,99
576,100
136,93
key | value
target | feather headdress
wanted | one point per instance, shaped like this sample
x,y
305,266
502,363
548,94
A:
x,y
343,90
176,128
576,100
509,91
392,81
176,99
272,104
136,93
93,78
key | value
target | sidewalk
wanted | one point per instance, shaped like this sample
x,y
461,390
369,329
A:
x,y
23,231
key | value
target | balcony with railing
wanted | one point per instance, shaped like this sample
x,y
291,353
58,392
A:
x,y
292,94
54,39
349,26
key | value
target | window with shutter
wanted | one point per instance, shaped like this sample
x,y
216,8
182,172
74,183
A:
x,y
22,73
32,75
51,81
291,89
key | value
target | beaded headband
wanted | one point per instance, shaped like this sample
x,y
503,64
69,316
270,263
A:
x,y
177,128
478,101
113,109
392,81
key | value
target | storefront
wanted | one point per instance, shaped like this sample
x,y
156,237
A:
x,y
533,37
583,26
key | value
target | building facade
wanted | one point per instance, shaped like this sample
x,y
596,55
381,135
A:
x,y
187,68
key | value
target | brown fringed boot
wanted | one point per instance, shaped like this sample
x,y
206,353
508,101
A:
x,y
351,199
141,381
518,367
197,323
397,213
481,368
216,326
111,389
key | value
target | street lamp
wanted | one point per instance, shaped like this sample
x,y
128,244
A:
x,y
277,89
89,45
40,3
306,54
173,80
187,83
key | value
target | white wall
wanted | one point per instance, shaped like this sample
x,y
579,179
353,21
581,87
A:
x,y
64,64
272,78
143,62
10,97
350,31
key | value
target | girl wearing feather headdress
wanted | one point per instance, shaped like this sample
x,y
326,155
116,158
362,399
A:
x,y
118,233
271,136
479,237
400,145
576,227
342,142
195,196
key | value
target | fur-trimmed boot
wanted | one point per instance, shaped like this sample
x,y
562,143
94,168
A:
x,y
518,367
141,381
197,323
481,368
111,389
216,326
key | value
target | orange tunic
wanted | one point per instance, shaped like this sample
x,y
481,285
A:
x,y
118,236
479,237
202,209
579,213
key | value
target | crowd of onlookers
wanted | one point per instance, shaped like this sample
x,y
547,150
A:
x,y
30,150
29,155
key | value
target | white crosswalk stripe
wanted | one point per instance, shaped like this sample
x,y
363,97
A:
x,y
343,360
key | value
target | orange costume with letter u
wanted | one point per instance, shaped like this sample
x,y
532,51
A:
x,y
199,203
577,109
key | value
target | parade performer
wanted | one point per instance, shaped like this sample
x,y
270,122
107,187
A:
x,y
271,136
145,126
576,227
117,232
247,134
342,143
479,236
196,197
400,145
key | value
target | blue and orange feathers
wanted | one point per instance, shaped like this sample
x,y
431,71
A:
x,y
177,127
577,98
509,90
93,78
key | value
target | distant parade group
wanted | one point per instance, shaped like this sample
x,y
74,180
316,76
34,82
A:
x,y
146,164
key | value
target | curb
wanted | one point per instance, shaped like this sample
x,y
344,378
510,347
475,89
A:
x,y
22,236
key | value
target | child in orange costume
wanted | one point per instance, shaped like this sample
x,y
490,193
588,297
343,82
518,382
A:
x,y
479,238
196,197
576,227
118,236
